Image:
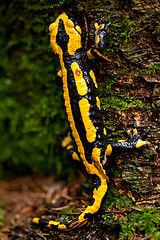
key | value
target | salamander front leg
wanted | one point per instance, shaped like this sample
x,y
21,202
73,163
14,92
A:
x,y
100,40
134,141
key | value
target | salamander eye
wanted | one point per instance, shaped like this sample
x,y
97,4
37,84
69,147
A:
x,y
69,23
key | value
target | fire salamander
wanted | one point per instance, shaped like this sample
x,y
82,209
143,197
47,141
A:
x,y
84,112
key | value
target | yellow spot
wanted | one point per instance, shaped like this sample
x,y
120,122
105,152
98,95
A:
x,y
109,150
35,220
80,82
62,227
66,141
104,131
59,73
134,131
96,26
93,78
96,155
89,54
140,143
121,140
69,147
75,156
102,26
52,27
69,23
89,127
98,103
53,223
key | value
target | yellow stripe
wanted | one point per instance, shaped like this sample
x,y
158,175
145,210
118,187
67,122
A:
x,y
53,222
134,131
98,195
69,147
59,73
104,131
140,143
98,103
93,77
75,156
96,154
96,26
62,227
66,141
80,82
74,37
35,220
109,150
89,127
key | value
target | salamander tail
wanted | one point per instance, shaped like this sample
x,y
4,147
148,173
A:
x,y
84,218
66,226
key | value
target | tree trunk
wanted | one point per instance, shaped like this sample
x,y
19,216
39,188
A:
x,y
129,86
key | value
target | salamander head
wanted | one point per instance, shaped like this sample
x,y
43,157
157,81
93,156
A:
x,y
65,35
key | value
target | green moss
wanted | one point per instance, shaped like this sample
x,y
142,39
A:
x,y
65,216
154,68
121,30
110,98
115,200
156,236
144,221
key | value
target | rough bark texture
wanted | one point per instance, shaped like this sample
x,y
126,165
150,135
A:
x,y
133,47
